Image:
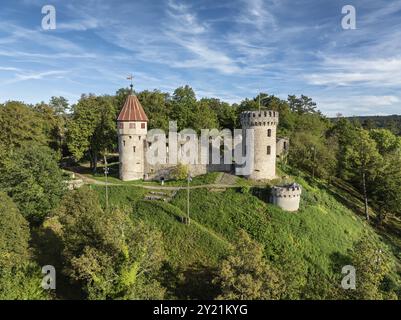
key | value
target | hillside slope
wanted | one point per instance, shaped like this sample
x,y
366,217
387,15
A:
x,y
310,244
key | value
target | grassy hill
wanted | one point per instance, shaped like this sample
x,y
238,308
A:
x,y
311,243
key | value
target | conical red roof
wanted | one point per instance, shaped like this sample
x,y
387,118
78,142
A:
x,y
132,110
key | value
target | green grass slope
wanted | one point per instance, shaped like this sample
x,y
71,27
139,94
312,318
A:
x,y
184,245
322,230
315,239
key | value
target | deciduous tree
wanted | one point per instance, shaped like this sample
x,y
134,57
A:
x,y
363,162
104,251
245,275
92,129
31,177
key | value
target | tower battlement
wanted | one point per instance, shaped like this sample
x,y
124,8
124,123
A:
x,y
293,190
264,124
259,118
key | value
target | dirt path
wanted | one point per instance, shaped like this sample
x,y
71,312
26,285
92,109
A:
x,y
88,180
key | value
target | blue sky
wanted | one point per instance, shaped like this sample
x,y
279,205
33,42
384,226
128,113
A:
x,y
225,49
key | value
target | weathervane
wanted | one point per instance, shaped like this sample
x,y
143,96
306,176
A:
x,y
131,77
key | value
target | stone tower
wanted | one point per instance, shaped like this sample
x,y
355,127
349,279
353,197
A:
x,y
287,197
264,123
132,126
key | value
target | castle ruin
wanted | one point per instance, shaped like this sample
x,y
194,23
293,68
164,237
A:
x,y
132,126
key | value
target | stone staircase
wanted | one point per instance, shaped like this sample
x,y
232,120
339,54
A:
x,y
157,196
160,196
226,179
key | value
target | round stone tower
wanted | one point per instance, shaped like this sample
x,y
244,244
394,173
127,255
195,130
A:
x,y
287,197
132,126
264,123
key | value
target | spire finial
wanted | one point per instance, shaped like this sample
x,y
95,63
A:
x,y
131,77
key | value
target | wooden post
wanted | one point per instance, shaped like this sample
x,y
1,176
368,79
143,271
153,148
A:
x,y
189,177
106,171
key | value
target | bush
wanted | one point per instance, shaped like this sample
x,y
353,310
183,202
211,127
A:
x,y
180,172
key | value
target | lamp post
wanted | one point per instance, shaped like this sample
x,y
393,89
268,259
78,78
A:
x,y
106,172
314,161
188,181
261,100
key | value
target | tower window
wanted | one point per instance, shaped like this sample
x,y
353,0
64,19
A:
x,y
124,142
134,149
269,150
132,125
121,125
143,125
139,137
269,132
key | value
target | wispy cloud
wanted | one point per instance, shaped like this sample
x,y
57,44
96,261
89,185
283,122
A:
x,y
9,69
256,13
340,71
228,49
79,25
34,76
183,20
184,29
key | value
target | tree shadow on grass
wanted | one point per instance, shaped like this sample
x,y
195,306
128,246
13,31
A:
x,y
47,247
192,283
338,261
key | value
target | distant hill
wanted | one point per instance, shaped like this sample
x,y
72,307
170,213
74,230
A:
x,y
392,122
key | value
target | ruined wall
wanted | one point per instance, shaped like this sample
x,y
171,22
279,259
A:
x,y
159,171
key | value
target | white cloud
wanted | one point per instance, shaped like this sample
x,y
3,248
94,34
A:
x,y
338,71
184,29
84,24
183,21
28,76
9,69
383,11
356,104
255,13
